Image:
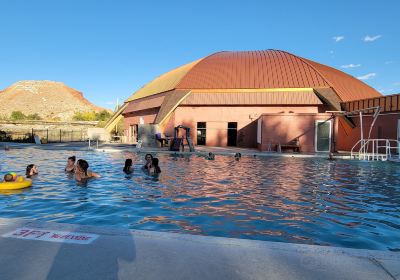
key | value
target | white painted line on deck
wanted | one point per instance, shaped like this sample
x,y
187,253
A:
x,y
52,235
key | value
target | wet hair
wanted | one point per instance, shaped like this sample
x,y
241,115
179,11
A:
x,y
128,163
155,162
8,177
150,155
28,169
73,158
83,164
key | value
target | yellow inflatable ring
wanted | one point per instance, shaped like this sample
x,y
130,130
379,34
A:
x,y
21,183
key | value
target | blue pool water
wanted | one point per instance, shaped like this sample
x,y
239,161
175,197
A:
x,y
301,200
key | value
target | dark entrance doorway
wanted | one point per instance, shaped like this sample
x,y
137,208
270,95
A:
x,y
201,133
232,133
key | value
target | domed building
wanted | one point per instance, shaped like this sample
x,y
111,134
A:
x,y
268,99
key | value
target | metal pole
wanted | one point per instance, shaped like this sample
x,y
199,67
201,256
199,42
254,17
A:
x,y
362,133
361,125
60,135
33,137
47,136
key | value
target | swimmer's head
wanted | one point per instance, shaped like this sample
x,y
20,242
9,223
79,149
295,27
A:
x,y
148,158
8,177
71,160
31,169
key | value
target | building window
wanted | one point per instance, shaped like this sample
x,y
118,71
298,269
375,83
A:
x,y
201,133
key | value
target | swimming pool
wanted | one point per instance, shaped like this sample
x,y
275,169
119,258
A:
x,y
301,200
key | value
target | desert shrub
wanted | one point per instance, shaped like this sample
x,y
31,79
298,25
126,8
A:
x,y
17,115
34,116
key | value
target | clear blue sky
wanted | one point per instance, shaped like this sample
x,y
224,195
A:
x,y
109,49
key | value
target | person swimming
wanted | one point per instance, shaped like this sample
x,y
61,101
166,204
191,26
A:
x,y
31,170
82,171
70,164
210,156
155,168
128,166
149,159
238,156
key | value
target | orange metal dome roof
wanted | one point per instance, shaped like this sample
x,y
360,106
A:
x,y
271,69
267,69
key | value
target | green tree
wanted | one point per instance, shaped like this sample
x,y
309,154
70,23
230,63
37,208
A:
x,y
84,116
17,115
104,115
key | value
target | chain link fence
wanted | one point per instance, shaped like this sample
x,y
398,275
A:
x,y
45,135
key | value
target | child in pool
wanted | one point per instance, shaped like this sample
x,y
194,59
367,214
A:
x,y
10,177
70,164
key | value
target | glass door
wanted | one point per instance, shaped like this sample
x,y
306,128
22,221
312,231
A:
x,y
323,136
201,133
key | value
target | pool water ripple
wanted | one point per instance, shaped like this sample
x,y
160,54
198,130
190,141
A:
x,y
301,200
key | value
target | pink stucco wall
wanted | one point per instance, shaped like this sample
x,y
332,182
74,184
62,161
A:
x,y
217,118
283,128
148,116
386,127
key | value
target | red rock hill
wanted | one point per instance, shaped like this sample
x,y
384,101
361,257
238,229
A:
x,y
51,100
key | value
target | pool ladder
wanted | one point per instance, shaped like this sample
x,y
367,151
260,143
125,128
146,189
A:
x,y
376,149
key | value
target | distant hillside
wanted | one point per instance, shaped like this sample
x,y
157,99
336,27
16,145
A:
x,y
50,100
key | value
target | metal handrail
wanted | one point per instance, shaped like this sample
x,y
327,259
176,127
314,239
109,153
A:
x,y
364,154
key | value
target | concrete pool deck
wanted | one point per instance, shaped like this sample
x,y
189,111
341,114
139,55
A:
x,y
125,254
200,150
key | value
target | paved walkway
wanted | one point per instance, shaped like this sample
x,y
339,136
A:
x,y
37,250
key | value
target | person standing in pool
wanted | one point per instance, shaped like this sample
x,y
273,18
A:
x,y
128,169
31,170
70,164
82,171
154,169
148,161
